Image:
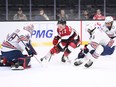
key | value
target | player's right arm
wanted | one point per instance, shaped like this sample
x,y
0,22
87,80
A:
x,y
56,39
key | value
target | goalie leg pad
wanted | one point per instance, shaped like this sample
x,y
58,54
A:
x,y
24,62
12,56
4,62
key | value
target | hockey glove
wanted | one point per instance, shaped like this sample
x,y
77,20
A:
x,y
30,52
86,50
55,40
81,54
31,48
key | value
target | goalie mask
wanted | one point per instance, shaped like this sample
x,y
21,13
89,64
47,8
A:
x,y
29,28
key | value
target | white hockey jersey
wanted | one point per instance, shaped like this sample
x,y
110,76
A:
x,y
98,37
112,32
16,41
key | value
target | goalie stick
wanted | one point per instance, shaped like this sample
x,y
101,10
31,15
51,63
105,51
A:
x,y
27,48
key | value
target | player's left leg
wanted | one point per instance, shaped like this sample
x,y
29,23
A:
x,y
80,58
92,56
69,48
101,50
55,50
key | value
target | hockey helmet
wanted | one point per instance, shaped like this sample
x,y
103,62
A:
x,y
109,19
29,27
63,22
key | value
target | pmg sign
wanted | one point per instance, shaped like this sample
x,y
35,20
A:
x,y
46,33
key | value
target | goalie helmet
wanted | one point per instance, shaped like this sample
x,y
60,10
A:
x,y
29,27
109,19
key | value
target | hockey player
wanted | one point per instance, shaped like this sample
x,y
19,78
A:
x,y
66,40
14,45
109,27
98,46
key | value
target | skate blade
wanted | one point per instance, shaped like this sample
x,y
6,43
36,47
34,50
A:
x,y
19,68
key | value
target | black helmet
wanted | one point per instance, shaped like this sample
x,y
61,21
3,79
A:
x,y
62,22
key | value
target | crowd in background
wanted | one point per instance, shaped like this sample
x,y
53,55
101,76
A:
x,y
61,15
64,10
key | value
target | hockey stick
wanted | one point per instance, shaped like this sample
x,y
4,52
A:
x,y
38,60
51,55
44,58
27,47
50,58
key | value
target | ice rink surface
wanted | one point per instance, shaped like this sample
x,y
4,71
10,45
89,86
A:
x,y
58,74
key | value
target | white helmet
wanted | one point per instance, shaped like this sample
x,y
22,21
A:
x,y
109,19
29,27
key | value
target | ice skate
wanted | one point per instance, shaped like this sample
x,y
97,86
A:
x,y
88,64
80,61
77,63
65,59
16,66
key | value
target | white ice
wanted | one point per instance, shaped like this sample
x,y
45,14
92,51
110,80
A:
x,y
58,74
